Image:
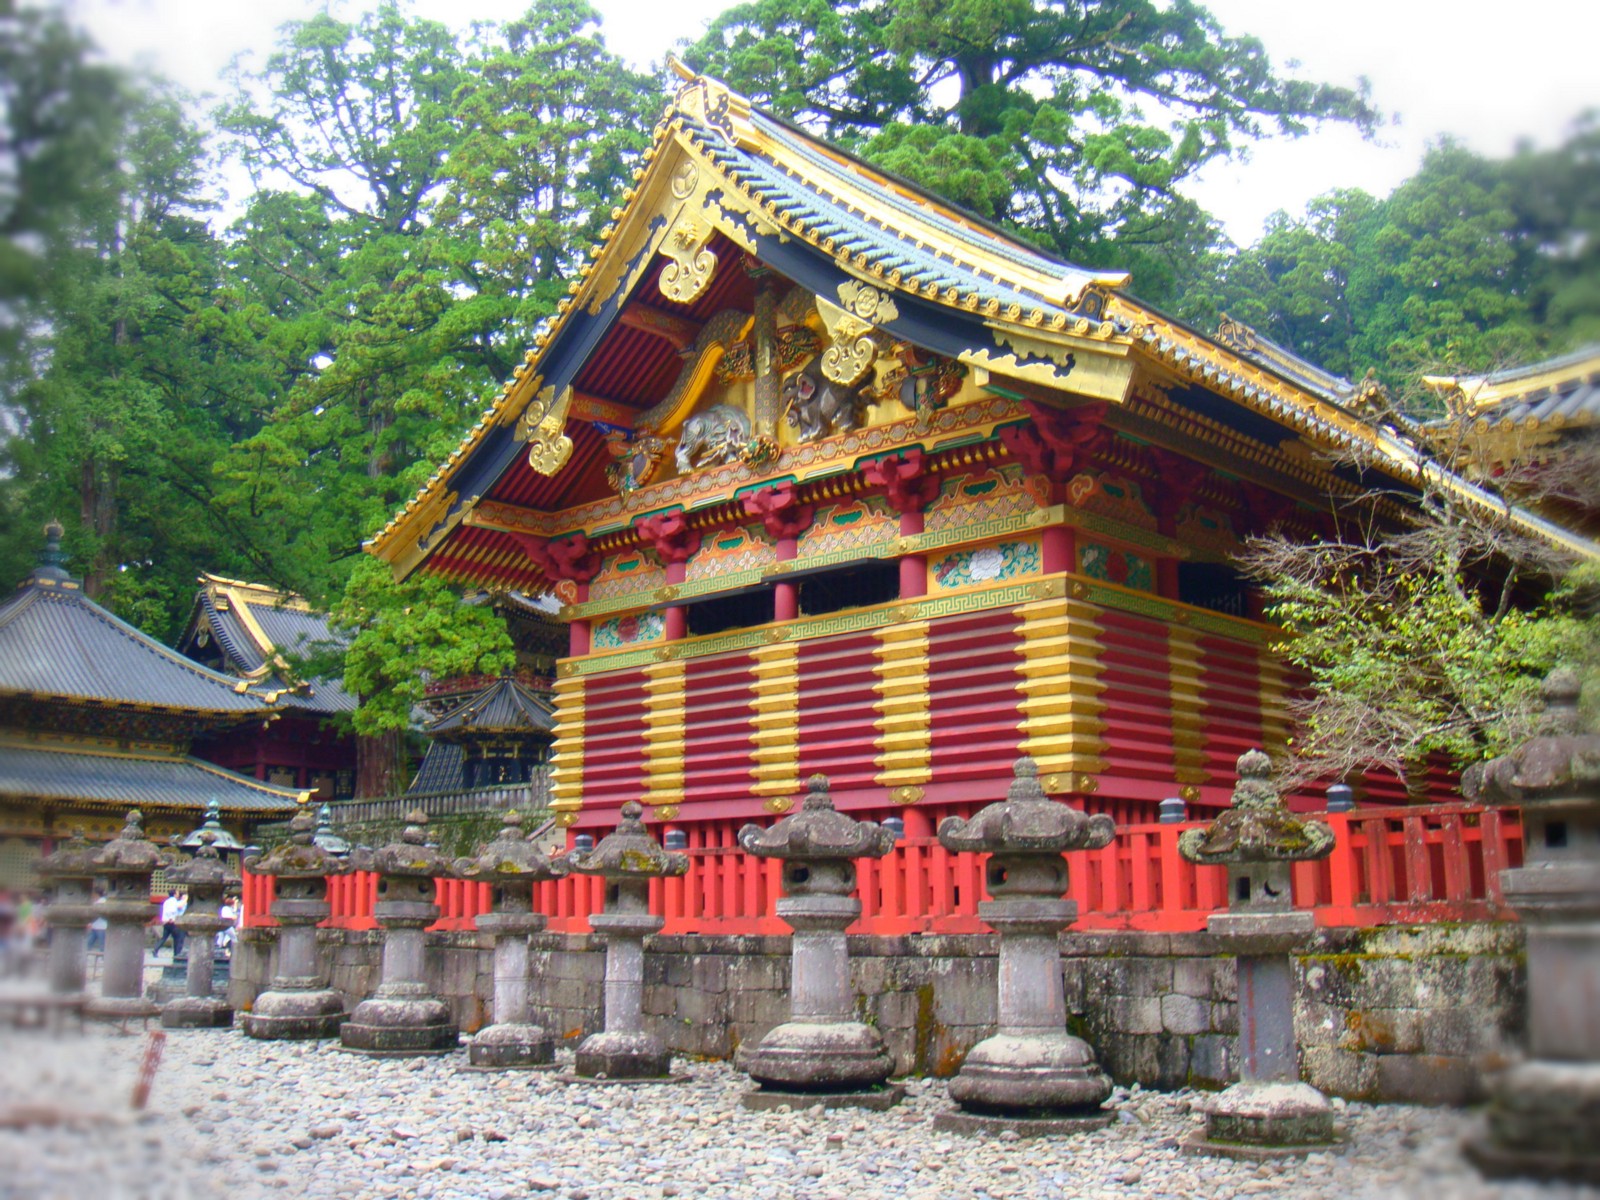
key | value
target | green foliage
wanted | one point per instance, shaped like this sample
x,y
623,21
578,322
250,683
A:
x,y
406,634
1408,655
1468,265
1074,124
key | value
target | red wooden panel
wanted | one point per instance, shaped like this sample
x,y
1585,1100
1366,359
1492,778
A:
x,y
1138,698
613,739
718,745
836,733
972,696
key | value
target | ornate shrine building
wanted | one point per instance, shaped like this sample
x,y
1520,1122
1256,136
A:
x,y
832,477
97,718
245,630
1526,421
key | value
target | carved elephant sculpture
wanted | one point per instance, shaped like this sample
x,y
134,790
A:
x,y
815,405
712,437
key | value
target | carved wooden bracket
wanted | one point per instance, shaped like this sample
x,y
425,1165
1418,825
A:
x,y
1057,443
567,558
904,480
782,515
1177,480
669,535
851,329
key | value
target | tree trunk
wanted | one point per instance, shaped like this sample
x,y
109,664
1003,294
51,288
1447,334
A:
x,y
380,765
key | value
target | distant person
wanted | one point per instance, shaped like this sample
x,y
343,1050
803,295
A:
x,y
171,909
97,935
228,912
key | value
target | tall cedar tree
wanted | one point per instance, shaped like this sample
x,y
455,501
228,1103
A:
x,y
1074,122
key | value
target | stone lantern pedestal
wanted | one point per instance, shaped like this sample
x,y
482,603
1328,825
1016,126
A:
x,y
1032,1076
627,859
69,873
126,864
206,878
1269,1113
299,1004
403,1017
1544,1112
512,864
822,1054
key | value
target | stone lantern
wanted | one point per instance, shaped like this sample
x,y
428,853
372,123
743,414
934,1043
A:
x,y
1269,1112
821,1050
206,878
1032,1076
403,1017
126,864
70,874
512,864
1544,1112
298,1004
627,859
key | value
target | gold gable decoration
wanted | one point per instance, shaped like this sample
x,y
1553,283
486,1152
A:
x,y
543,426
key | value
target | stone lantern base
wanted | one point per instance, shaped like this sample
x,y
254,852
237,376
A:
x,y
294,1016
1256,1120
121,1008
1047,1077
1543,1118
196,1012
398,1027
618,1056
838,1064
512,1047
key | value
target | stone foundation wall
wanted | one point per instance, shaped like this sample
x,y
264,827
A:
x,y
1410,1014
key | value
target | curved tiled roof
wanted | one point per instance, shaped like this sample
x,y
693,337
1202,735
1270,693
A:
x,y
505,706
55,642
1558,393
255,625
68,772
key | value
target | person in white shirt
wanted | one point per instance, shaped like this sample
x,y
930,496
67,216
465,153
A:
x,y
228,912
171,909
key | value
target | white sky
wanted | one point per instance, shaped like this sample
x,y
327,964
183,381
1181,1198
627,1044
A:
x,y
1487,73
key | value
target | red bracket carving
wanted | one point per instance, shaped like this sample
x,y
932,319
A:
x,y
669,535
1177,480
1057,443
560,558
904,480
782,515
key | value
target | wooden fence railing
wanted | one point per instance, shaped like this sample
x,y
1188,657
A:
x,y
1389,866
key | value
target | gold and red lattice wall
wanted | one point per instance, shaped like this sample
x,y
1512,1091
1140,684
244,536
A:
x,y
1123,698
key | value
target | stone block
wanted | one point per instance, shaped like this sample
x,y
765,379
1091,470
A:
x,y
1338,1072
1074,983
1456,1032
765,972
1184,1014
709,973
1224,1018
1427,1079
1172,1061
1129,1058
1194,977
964,992
658,1000
896,1010
1133,1014
1213,1060
1383,1030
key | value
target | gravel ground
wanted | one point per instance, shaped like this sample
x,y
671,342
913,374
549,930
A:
x,y
231,1117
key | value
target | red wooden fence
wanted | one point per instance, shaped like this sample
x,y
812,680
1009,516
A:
x,y
1389,866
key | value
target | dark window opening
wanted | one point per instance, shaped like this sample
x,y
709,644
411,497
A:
x,y
1555,835
853,587
496,771
738,611
1216,586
